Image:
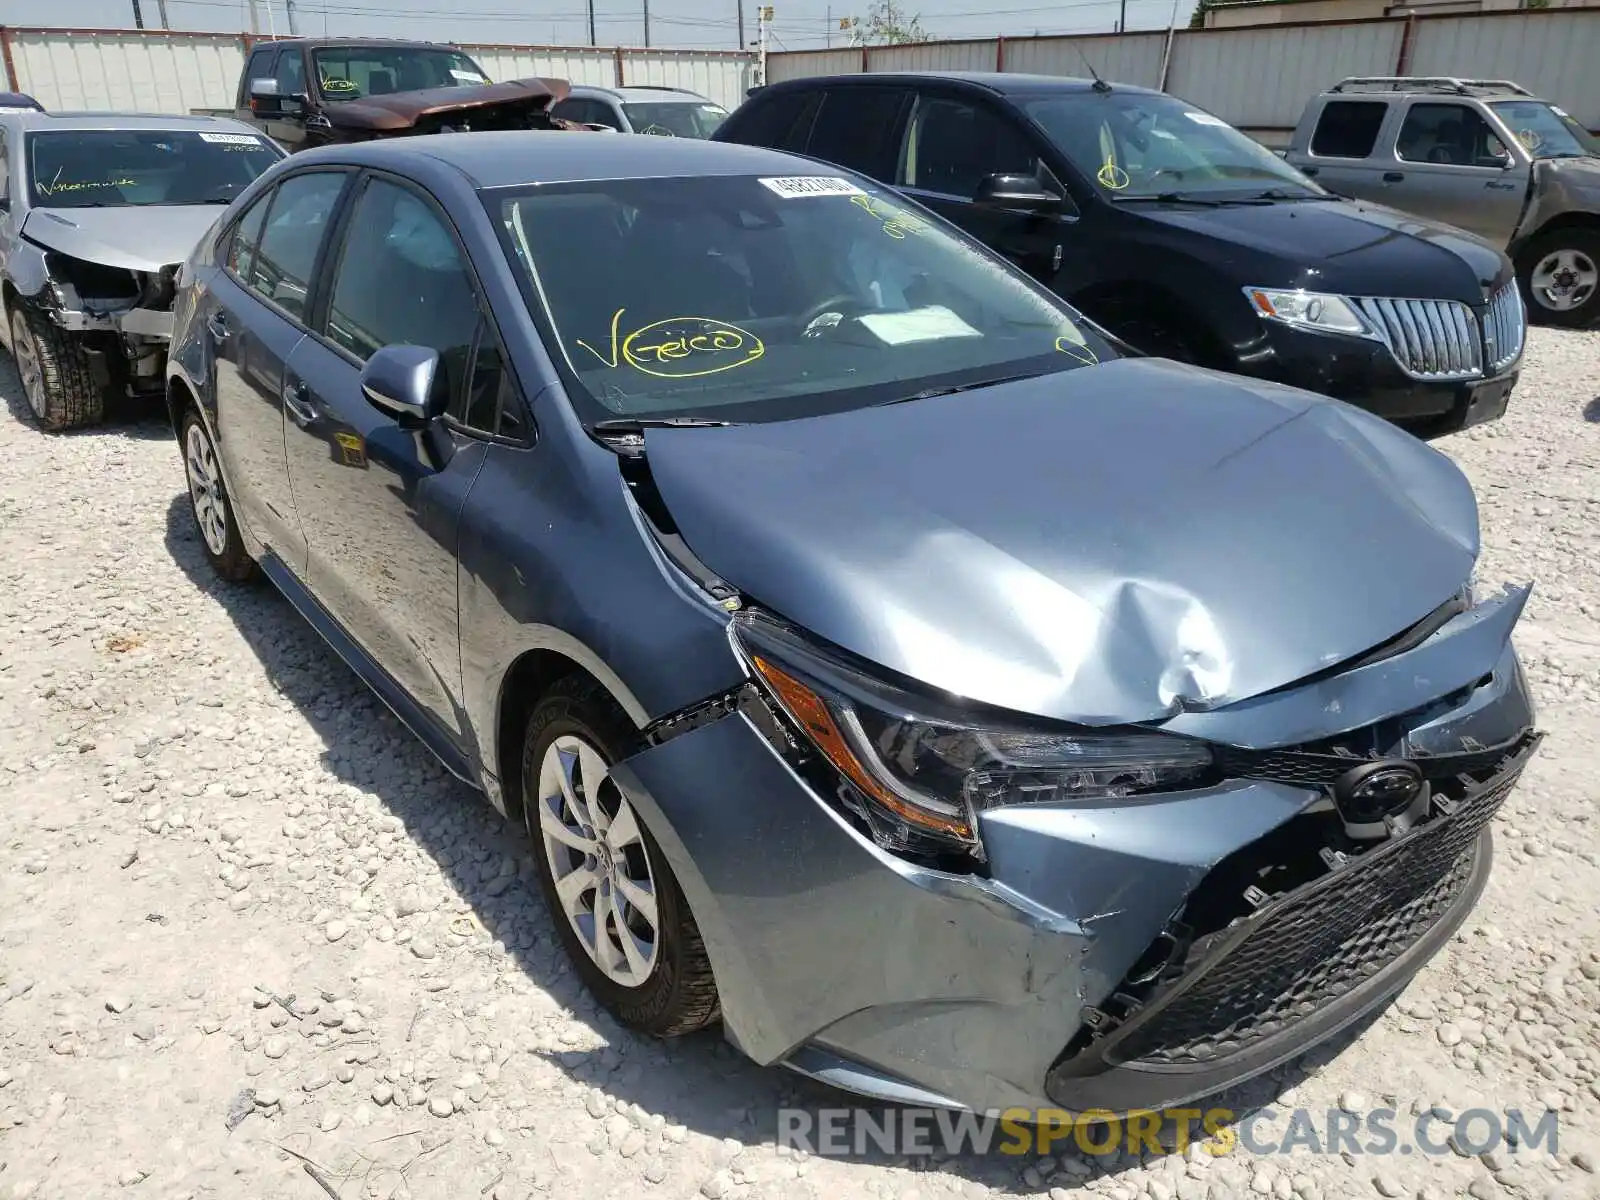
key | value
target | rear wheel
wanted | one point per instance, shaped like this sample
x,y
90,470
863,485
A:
x,y
618,910
55,373
1560,277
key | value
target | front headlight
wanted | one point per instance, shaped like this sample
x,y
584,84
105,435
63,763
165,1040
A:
x,y
918,770
1316,311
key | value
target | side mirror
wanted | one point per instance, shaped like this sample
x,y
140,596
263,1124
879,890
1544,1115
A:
x,y
1017,192
263,89
399,381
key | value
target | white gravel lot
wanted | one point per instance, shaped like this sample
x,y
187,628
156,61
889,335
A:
x,y
204,814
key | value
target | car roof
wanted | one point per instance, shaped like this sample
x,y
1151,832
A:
x,y
121,120
516,157
358,42
1001,83
664,95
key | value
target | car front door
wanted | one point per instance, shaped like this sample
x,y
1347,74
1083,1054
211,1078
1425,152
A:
x,y
254,314
381,504
286,122
951,144
1451,165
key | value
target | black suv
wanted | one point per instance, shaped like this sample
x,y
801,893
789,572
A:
x,y
1178,233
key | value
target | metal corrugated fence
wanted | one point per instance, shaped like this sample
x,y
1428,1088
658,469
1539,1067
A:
x,y
1257,78
157,70
1260,78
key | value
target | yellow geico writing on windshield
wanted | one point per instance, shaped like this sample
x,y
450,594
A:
x,y
1078,350
895,224
680,347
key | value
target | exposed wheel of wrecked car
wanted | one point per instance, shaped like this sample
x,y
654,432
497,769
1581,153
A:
x,y
1560,277
619,912
55,373
208,499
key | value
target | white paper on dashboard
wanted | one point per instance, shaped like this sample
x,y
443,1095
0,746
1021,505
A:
x,y
918,325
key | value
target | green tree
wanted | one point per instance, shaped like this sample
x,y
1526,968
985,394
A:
x,y
1198,21
888,23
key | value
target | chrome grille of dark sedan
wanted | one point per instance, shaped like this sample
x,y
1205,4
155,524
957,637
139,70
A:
x,y
1504,327
1430,339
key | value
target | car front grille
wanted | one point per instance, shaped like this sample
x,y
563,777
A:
x,y
1430,339
1304,950
1441,340
1504,327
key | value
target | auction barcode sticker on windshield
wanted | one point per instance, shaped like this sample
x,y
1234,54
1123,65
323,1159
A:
x,y
795,187
231,139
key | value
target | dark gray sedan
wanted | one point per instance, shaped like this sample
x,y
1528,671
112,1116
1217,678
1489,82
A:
x,y
959,710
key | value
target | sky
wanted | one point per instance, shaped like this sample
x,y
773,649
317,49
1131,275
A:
x,y
712,24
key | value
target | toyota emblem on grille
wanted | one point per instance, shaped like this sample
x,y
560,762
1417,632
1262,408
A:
x,y
1377,790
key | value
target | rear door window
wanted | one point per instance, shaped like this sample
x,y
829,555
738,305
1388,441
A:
x,y
302,208
858,127
1348,128
781,122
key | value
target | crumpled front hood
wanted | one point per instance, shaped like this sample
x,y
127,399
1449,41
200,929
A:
x,y
401,110
1111,544
139,238
1345,246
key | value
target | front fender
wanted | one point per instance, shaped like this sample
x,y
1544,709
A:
x,y
27,271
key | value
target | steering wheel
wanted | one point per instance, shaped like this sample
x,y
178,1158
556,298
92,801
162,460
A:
x,y
843,300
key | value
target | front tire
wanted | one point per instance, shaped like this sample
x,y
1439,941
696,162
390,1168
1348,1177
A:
x,y
1559,273
55,372
212,508
618,910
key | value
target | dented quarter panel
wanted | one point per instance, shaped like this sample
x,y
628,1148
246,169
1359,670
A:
x,y
1000,546
1561,187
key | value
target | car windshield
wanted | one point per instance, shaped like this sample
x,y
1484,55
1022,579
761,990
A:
x,y
1136,145
108,168
1545,131
351,72
747,299
670,119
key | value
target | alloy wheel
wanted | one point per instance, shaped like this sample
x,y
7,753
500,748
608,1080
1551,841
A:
x,y
205,490
26,354
597,857
1564,280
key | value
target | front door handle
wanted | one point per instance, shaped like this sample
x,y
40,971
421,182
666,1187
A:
x,y
1392,176
217,327
1309,170
297,400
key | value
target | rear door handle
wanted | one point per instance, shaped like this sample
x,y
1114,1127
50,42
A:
x,y
217,327
1392,177
297,400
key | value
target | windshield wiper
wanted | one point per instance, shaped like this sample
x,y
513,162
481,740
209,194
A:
x,y
930,393
1280,194
1169,198
639,424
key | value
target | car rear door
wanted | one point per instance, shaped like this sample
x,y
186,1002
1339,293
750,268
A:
x,y
1343,152
952,142
254,317
380,504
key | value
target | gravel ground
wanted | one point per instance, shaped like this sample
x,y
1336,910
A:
x,y
246,921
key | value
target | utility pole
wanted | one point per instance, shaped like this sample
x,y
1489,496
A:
x,y
741,24
161,7
138,17
1122,22
593,41
763,19
827,28
647,24
288,9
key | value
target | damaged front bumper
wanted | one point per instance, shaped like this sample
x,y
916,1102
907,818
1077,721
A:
x,y
1124,954
145,323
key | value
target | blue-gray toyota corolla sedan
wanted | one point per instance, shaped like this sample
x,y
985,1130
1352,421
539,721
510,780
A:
x,y
885,663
